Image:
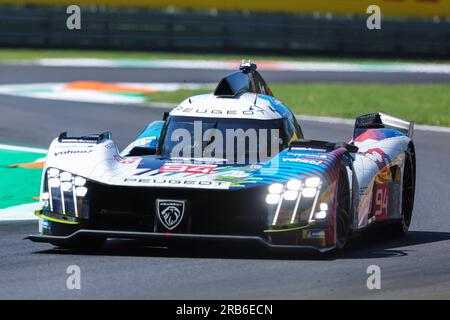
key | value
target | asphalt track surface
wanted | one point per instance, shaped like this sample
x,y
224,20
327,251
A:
x,y
417,266
33,74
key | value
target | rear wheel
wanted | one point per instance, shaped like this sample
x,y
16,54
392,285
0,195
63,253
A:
x,y
343,220
401,226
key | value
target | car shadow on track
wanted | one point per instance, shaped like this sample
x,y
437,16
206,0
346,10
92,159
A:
x,y
373,244
379,244
217,251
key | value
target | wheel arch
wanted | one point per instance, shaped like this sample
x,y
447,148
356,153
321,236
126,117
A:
x,y
412,152
343,195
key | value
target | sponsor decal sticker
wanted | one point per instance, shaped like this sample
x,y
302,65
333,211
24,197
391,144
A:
x,y
378,156
71,152
125,160
301,160
170,212
187,168
381,198
173,182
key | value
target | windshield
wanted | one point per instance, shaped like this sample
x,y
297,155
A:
x,y
232,140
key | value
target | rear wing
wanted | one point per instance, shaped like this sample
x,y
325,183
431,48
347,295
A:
x,y
384,120
92,138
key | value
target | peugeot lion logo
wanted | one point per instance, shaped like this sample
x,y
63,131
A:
x,y
170,212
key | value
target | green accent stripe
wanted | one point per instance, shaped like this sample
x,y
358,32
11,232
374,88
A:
x,y
43,216
290,229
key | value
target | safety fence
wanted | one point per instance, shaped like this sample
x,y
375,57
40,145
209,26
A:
x,y
223,31
389,8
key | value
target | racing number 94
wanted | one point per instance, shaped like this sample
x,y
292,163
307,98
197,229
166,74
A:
x,y
187,168
381,196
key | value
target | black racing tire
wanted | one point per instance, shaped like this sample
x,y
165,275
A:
x,y
343,215
81,244
401,226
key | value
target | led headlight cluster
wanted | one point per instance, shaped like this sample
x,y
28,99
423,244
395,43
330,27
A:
x,y
286,199
64,192
322,214
275,191
311,185
292,190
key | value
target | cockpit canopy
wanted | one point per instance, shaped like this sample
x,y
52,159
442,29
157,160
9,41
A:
x,y
247,79
225,126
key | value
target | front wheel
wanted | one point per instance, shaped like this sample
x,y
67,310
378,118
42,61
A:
x,y
401,227
343,220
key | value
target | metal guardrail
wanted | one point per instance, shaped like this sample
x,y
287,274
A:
x,y
142,29
390,8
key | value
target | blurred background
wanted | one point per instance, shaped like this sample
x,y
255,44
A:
x,y
410,28
133,60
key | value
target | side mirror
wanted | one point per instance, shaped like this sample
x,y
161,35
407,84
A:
x,y
166,115
141,151
153,131
146,142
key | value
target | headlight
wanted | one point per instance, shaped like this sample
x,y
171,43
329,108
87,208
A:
x,y
276,188
53,183
297,199
79,181
294,184
81,191
65,176
320,215
309,192
66,186
273,198
312,182
64,192
53,172
290,195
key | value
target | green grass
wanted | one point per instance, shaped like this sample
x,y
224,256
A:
x,y
422,103
30,54
18,185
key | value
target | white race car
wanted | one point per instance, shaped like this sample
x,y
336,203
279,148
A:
x,y
229,166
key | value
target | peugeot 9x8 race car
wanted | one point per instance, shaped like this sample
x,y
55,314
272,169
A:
x,y
229,166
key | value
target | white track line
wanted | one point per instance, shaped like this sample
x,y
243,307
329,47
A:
x,y
22,149
423,127
19,212
395,67
326,119
22,211
350,122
